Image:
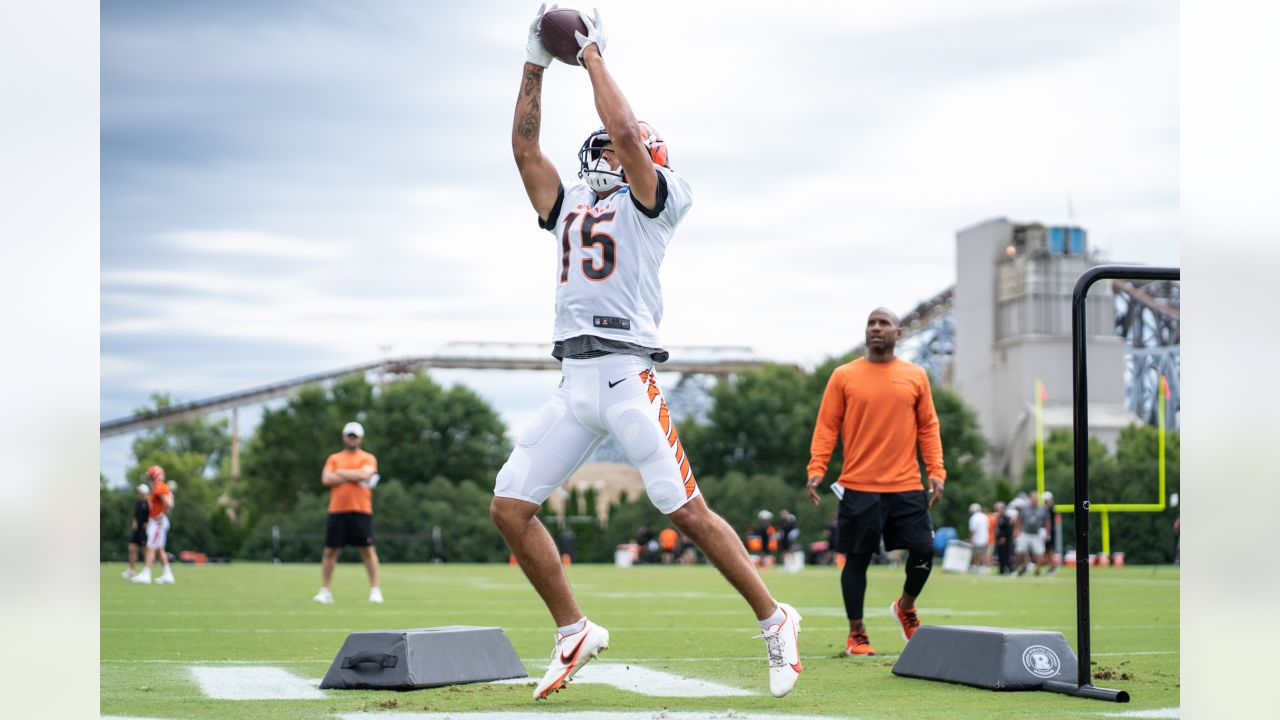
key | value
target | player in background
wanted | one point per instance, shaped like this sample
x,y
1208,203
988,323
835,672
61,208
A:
x,y
349,474
880,407
1030,530
138,531
979,534
1051,543
669,542
611,233
160,504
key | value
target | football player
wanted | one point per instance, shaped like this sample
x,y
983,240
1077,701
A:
x,y
161,502
611,230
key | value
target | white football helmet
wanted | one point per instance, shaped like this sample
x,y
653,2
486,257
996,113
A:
x,y
595,170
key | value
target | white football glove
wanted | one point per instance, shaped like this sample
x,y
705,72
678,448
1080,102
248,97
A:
x,y
371,483
595,34
535,51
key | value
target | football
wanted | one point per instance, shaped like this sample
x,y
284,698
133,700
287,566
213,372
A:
x,y
557,29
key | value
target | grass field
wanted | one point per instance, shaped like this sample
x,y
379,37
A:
x,y
681,620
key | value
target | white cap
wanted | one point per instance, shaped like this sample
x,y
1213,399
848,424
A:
x,y
353,428
1048,496
143,489
766,515
975,508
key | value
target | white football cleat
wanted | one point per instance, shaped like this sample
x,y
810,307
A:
x,y
128,574
569,655
782,643
142,578
165,579
375,595
324,597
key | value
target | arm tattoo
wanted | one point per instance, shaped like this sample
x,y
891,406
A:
x,y
532,82
531,119
529,123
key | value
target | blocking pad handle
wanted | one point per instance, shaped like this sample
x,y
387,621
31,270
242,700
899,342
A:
x,y
377,658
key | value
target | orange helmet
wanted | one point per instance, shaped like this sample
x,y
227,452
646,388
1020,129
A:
x,y
654,143
155,473
596,171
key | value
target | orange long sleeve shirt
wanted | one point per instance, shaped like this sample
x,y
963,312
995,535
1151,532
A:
x,y
880,412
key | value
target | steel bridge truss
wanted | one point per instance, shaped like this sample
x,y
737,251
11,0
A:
x,y
1147,317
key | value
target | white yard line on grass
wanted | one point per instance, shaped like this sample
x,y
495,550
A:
x,y
594,715
1161,713
745,631
536,662
189,661
839,612
257,682
264,682
645,681
616,659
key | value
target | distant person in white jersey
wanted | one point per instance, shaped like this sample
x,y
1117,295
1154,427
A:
x,y
979,534
610,231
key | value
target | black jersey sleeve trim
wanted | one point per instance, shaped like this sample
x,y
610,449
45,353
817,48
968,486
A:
x,y
661,202
550,223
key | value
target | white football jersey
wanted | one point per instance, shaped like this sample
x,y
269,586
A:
x,y
610,252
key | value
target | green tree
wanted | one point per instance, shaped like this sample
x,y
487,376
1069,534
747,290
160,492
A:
x,y
206,437
1127,476
1145,538
417,429
761,422
424,431
281,463
115,508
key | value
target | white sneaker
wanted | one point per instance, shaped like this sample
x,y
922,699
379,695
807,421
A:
x,y
128,574
142,578
784,652
569,655
165,579
375,595
324,597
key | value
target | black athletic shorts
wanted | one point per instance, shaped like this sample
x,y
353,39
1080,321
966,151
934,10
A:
x,y
901,517
139,536
349,528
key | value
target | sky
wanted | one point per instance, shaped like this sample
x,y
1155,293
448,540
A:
x,y
292,187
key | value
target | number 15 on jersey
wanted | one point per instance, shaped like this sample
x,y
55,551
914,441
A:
x,y
588,233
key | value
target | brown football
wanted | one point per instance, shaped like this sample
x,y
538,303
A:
x,y
557,30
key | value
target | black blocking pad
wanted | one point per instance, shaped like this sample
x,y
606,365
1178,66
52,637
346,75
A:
x,y
423,658
988,657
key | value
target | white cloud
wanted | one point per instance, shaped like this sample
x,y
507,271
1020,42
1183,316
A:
x,y
248,244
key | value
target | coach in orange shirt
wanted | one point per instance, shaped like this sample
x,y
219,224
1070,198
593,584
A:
x,y
881,408
349,475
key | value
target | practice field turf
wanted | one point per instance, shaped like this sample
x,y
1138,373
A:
x,y
160,644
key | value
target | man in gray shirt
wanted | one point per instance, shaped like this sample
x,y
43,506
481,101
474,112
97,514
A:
x,y
1029,532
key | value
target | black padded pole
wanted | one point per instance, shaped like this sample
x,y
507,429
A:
x,y
1080,433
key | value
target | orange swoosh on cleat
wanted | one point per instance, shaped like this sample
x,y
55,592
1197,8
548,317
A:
x,y
798,667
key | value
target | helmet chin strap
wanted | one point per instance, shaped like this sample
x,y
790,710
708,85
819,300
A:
x,y
602,178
